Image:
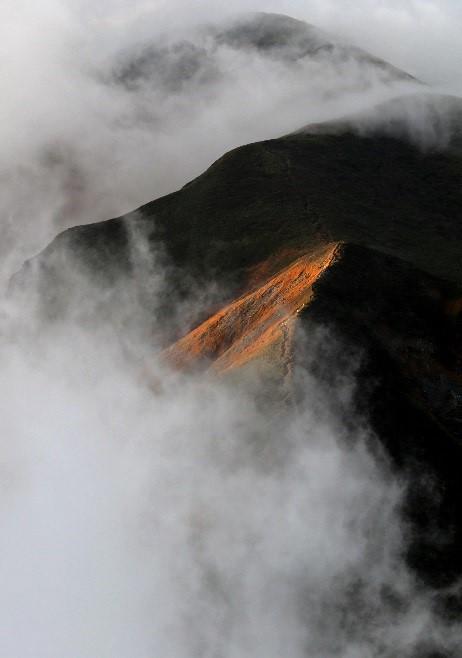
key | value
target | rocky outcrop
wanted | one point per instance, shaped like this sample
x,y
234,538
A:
x,y
246,328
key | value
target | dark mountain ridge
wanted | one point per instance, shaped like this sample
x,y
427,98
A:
x,y
332,183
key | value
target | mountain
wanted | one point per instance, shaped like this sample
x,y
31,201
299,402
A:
x,y
200,58
334,183
283,37
354,226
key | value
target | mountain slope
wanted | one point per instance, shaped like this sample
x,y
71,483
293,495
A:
x,y
350,225
295,193
249,325
403,330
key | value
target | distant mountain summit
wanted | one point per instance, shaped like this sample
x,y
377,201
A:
x,y
275,33
286,38
203,55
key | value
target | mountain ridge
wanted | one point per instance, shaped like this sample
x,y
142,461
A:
x,y
352,225
276,194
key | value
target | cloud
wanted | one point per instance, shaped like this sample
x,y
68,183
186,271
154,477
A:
x,y
145,512
186,521
192,521
420,36
77,147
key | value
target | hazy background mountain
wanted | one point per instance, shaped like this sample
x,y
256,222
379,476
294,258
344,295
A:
x,y
117,92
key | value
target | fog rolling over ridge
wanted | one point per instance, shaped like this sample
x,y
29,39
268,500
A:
x,y
153,514
150,511
126,112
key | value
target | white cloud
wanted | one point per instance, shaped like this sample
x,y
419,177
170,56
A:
x,y
189,522
135,525
75,149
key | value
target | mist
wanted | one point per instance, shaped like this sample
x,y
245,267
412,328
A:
x,y
150,513
82,143
190,520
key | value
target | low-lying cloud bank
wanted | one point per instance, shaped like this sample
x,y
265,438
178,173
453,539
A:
x,y
189,521
149,513
431,122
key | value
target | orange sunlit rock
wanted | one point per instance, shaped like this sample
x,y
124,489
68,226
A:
x,y
245,328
